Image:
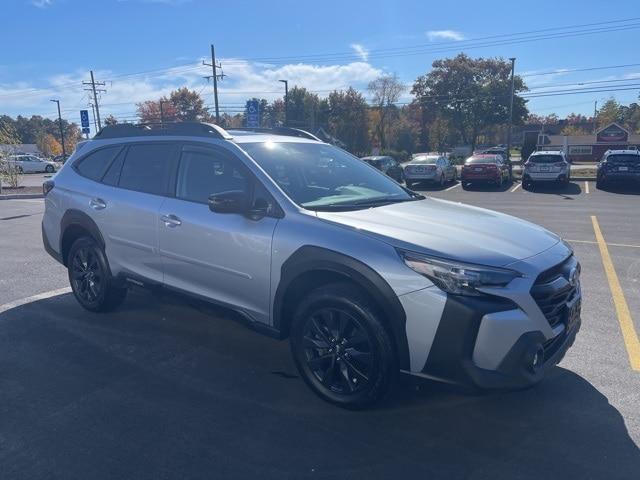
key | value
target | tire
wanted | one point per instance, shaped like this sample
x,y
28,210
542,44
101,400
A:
x,y
20,169
465,185
48,169
409,184
442,181
90,277
341,347
599,183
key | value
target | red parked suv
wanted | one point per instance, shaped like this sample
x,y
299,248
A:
x,y
484,168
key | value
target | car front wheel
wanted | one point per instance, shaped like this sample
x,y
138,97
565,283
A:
x,y
48,169
90,277
341,347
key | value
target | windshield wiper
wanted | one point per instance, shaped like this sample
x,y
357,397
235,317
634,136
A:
x,y
361,204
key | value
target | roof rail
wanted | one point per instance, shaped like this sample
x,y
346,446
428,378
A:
x,y
195,129
287,131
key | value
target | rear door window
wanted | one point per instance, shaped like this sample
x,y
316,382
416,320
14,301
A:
x,y
147,167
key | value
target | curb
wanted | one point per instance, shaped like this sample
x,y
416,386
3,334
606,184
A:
x,y
17,196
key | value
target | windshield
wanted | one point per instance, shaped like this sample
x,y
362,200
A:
x,y
323,177
624,158
427,160
545,158
471,160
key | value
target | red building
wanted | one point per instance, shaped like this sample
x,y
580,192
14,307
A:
x,y
585,148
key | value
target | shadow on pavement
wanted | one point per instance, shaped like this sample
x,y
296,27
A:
x,y
622,187
163,389
555,189
431,186
489,187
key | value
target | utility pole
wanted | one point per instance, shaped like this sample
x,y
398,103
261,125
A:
x,y
215,76
93,111
286,102
64,150
513,66
161,113
595,113
95,91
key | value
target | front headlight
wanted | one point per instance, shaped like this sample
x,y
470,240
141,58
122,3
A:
x,y
456,277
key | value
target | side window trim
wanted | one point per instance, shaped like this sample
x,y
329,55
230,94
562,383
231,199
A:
x,y
124,149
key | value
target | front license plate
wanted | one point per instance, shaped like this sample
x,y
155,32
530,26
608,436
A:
x,y
623,169
477,169
573,311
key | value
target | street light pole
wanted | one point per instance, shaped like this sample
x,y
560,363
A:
x,y
513,65
64,150
286,102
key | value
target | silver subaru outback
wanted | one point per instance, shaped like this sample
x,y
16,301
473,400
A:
x,y
365,277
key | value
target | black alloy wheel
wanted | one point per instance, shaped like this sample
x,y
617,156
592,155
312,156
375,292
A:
x,y
87,276
338,351
342,347
90,277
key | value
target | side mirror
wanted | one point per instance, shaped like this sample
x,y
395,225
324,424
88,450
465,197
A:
x,y
232,201
259,209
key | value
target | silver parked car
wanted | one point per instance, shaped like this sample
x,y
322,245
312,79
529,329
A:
x,y
365,277
429,168
546,167
31,164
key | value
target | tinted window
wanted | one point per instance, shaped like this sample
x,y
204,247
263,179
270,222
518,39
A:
x,y
146,168
482,159
546,158
93,165
425,159
202,174
624,159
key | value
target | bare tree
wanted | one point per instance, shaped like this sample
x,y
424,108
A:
x,y
385,92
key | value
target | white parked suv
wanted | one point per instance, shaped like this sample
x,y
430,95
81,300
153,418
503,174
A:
x,y
365,277
546,166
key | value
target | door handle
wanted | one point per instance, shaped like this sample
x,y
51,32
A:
x,y
171,221
98,204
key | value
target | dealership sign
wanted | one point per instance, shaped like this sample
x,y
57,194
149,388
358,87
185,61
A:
x,y
612,133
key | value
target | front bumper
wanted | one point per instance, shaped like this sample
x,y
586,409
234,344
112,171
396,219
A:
x,y
503,341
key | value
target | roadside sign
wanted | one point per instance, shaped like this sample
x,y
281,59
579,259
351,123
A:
x,y
253,113
84,120
86,130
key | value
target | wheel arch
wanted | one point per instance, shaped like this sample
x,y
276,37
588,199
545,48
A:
x,y
310,267
75,224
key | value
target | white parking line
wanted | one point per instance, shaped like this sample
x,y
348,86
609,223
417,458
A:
x,y
452,187
34,298
586,187
516,187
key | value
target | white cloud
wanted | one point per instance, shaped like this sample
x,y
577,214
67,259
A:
x,y
41,3
362,52
445,35
244,80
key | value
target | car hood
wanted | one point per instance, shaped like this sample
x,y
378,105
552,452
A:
x,y
450,230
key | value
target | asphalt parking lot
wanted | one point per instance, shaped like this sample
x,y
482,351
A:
x,y
170,388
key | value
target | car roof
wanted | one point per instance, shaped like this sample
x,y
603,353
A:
x,y
548,152
622,152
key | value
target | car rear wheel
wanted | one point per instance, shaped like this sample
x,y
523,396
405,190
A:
x,y
599,183
90,277
48,169
442,180
341,347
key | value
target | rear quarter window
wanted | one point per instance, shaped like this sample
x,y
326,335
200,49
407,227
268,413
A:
x,y
96,163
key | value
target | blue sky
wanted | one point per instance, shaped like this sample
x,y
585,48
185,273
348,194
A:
x,y
144,48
